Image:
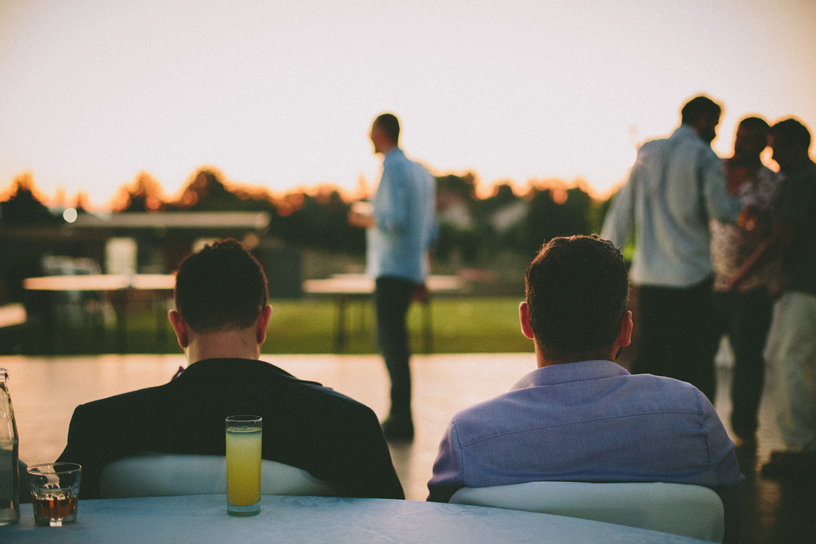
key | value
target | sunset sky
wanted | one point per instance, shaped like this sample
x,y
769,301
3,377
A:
x,y
281,94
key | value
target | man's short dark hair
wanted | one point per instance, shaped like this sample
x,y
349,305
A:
x,y
577,290
698,107
755,123
389,124
790,131
221,287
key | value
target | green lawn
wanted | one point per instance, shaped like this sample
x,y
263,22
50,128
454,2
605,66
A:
x,y
460,325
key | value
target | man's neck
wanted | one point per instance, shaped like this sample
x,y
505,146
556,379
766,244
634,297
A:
x,y
230,344
388,148
543,360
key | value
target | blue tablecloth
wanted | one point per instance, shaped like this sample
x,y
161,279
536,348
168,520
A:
x,y
203,519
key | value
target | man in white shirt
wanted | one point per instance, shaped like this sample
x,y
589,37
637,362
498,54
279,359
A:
x,y
675,186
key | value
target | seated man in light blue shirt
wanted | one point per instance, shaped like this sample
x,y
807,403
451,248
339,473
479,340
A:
x,y
579,416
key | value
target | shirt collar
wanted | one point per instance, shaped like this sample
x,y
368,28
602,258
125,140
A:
x,y
570,372
395,153
686,131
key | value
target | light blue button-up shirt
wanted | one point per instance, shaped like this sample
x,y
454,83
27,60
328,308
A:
x,y
676,185
590,421
405,214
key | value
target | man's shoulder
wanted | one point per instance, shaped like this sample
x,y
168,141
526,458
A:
x,y
116,408
805,175
213,378
800,185
623,395
257,374
652,146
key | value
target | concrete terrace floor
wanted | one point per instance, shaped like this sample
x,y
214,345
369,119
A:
x,y
45,391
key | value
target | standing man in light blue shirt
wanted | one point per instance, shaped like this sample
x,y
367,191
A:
x,y
579,416
676,185
400,233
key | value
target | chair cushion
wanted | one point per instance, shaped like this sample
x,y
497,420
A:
x,y
162,475
686,510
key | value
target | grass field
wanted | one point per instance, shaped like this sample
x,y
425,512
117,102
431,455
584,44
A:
x,y
460,325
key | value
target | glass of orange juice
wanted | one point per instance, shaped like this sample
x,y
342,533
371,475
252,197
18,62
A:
x,y
244,465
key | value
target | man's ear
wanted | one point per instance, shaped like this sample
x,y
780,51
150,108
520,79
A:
x,y
625,335
524,320
262,323
179,327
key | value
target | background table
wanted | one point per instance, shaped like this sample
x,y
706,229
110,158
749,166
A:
x,y
346,287
203,519
119,285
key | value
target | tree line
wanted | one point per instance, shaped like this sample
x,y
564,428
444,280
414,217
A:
x,y
469,227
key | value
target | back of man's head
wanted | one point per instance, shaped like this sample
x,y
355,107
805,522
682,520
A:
x,y
757,124
791,132
697,107
389,124
577,290
221,287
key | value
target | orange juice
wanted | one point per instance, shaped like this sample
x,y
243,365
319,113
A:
x,y
243,466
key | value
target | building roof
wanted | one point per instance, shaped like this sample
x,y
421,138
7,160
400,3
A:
x,y
174,220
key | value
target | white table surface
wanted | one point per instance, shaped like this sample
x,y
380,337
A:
x,y
203,519
360,284
101,282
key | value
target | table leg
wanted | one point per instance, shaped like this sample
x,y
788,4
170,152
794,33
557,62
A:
x,y
160,308
340,330
120,299
427,325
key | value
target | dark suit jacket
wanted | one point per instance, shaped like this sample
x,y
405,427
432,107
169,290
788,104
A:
x,y
333,437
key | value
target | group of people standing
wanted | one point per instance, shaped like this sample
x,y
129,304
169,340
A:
x,y
728,246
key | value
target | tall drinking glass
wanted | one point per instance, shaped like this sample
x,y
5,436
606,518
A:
x,y
244,465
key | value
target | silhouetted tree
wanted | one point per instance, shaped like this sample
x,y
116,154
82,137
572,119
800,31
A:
x,y
319,221
207,193
463,185
23,208
556,212
144,195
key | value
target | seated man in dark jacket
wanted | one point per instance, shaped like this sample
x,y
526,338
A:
x,y
220,320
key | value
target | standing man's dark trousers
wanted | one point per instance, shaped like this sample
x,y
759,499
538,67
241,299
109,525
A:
x,y
393,298
678,335
746,318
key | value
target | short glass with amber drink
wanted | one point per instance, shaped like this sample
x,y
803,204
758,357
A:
x,y
55,493
244,465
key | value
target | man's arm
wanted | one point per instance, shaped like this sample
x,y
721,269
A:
x,y
377,479
791,208
448,472
769,247
719,204
84,449
391,202
348,451
620,219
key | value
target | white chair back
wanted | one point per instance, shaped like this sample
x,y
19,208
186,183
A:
x,y
685,510
164,475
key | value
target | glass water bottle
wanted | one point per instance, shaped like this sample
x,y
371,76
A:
x,y
9,476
